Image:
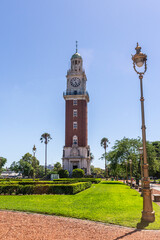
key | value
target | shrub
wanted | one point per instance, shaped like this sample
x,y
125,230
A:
x,y
44,188
74,180
77,173
63,173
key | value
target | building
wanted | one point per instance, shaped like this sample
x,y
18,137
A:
x,y
11,174
76,152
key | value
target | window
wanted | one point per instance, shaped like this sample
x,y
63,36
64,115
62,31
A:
x,y
75,113
75,139
75,102
74,125
75,61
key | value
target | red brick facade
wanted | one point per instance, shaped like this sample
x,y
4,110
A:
x,y
81,119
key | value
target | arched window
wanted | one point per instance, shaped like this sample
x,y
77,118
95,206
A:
x,y
75,139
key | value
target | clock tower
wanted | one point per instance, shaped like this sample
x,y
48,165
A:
x,y
76,152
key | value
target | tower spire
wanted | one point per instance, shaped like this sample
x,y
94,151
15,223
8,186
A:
x,y
76,46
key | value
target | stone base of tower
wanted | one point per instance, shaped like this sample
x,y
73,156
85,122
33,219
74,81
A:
x,y
76,157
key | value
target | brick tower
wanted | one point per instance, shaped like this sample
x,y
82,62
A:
x,y
76,152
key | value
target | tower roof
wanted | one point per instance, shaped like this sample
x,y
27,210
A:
x,y
76,55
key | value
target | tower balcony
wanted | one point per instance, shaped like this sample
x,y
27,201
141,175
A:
x,y
76,92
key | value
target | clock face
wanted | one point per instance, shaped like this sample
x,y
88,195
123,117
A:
x,y
75,82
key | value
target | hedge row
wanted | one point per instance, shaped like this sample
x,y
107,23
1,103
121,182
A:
x,y
44,188
71,180
17,179
56,181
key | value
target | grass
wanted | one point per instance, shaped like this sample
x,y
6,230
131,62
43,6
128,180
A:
x,y
108,203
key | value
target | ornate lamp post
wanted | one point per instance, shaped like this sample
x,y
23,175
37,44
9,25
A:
x,y
130,162
126,171
34,151
140,59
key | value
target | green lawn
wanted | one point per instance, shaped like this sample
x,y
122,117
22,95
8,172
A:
x,y
109,203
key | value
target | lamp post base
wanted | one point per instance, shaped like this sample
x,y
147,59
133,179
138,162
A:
x,y
148,216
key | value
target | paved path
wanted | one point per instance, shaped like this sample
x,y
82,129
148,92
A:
x,y
27,226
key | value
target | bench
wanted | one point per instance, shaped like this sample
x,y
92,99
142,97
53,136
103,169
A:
x,y
156,197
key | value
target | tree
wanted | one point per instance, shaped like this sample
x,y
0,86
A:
x,y
153,157
2,162
91,157
104,144
92,169
14,167
122,151
97,172
126,149
25,165
40,171
45,137
57,167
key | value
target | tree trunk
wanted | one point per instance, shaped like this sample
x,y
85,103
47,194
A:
x,y
106,170
45,159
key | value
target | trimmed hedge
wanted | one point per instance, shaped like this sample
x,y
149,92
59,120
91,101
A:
x,y
63,173
77,173
44,188
56,181
71,180
18,179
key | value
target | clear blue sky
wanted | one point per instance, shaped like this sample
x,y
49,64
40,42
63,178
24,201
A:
x,y
37,40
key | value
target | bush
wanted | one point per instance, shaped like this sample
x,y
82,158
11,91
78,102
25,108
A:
x,y
44,188
77,173
74,180
63,173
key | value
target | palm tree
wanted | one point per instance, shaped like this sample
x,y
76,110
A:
x,y
104,144
45,137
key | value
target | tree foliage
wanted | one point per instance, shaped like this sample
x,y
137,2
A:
x,y
45,137
25,165
57,167
126,149
91,157
2,162
97,172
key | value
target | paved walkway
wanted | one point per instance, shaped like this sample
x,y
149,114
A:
x,y
27,226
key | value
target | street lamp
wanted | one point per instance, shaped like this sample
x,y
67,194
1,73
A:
x,y
130,162
140,59
141,153
126,171
34,151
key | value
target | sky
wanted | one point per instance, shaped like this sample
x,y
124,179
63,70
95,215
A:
x,y
37,40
